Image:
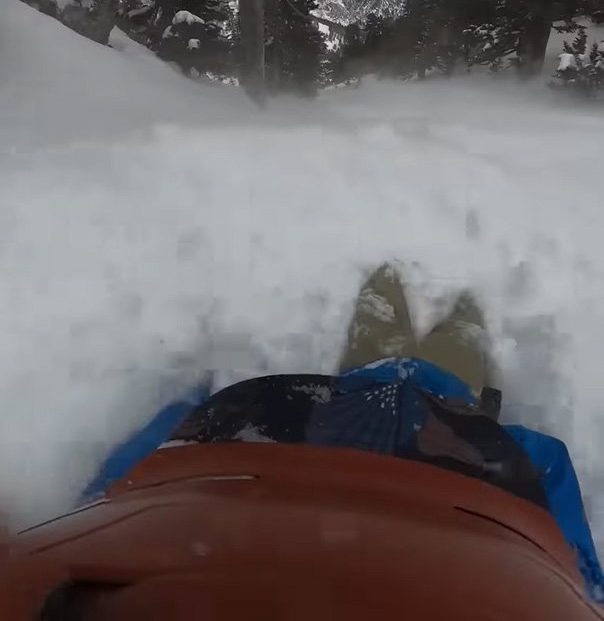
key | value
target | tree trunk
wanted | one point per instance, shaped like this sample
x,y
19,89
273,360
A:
x,y
95,24
104,19
534,39
273,62
251,20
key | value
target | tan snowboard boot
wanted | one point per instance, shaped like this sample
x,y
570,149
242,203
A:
x,y
381,325
459,344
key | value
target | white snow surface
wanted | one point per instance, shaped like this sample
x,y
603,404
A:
x,y
567,61
187,17
152,228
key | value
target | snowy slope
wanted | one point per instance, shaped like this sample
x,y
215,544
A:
x,y
151,229
350,11
53,91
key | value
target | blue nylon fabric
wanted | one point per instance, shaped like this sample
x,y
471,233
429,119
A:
x,y
142,443
420,373
563,492
407,374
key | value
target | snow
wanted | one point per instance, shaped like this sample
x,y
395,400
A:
x,y
567,61
185,17
252,434
151,229
377,306
348,11
319,394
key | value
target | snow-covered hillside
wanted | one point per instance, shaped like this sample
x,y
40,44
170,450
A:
x,y
350,11
151,228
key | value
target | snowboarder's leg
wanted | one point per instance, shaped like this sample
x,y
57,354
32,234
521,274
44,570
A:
x,y
459,344
381,325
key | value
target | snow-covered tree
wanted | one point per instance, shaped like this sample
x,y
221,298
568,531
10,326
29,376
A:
x,y
48,7
94,19
374,31
352,62
516,33
580,69
357,11
196,34
295,48
432,33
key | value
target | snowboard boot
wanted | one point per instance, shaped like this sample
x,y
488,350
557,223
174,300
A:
x,y
381,325
459,344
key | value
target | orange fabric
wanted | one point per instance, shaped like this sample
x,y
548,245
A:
x,y
266,531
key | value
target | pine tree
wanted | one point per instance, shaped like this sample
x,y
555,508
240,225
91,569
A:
x,y
352,62
374,32
436,27
95,20
152,17
594,54
397,47
421,14
295,49
580,42
517,33
195,34
273,45
251,50
48,7
579,70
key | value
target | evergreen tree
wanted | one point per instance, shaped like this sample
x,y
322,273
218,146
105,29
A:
x,y
352,56
398,47
251,50
375,29
374,32
422,16
428,36
578,70
594,54
195,34
517,33
382,46
295,49
94,20
48,7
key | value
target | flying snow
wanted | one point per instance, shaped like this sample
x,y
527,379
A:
x,y
152,229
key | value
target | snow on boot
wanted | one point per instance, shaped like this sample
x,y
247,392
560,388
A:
x,y
381,325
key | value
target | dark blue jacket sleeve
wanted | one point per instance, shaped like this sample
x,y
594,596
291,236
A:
x,y
551,457
142,443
